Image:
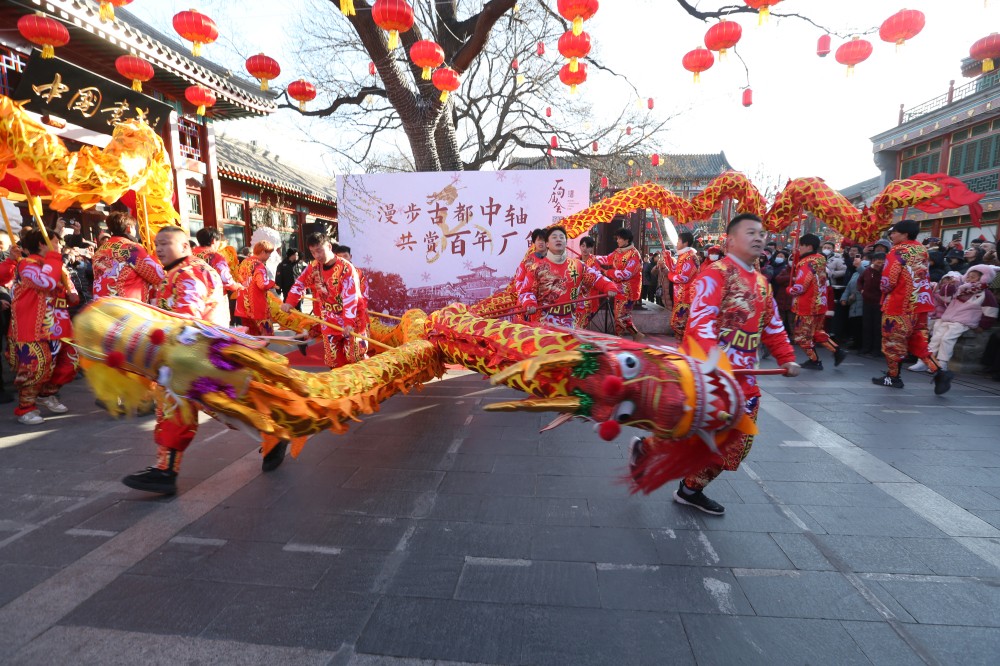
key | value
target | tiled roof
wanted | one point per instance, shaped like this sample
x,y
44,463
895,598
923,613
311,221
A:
x,y
246,162
681,167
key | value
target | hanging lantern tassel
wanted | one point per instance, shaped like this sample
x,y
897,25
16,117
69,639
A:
x,y
107,13
200,110
393,39
137,85
444,96
347,7
764,15
577,26
987,65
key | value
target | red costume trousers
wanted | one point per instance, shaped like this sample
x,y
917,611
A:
x,y
906,334
809,333
730,463
263,327
623,317
174,428
338,351
41,369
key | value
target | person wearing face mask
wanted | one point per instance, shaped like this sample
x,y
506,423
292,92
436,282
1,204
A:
x,y
853,303
714,253
869,285
809,289
782,271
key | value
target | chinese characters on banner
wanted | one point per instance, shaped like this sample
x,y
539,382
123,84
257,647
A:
x,y
452,236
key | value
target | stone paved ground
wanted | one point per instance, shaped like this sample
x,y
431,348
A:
x,y
865,528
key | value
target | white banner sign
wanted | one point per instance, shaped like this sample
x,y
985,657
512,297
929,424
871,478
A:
x,y
432,238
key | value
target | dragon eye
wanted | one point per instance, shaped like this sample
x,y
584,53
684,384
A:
x,y
629,364
624,411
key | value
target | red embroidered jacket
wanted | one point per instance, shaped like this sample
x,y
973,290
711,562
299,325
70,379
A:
x,y
734,308
550,286
219,263
124,268
335,291
626,269
252,301
193,288
906,285
39,297
808,287
684,272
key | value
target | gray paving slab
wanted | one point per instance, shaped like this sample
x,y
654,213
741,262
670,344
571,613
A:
x,y
963,602
976,646
567,584
807,594
862,521
764,641
752,550
674,589
474,539
591,544
424,575
883,645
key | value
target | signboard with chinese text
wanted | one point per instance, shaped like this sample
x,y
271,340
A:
x,y
55,87
433,238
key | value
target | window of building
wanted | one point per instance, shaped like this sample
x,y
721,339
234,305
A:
x,y
252,197
234,210
924,164
975,156
195,225
194,203
235,236
190,138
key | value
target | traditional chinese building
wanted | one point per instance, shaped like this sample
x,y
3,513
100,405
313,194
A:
x,y
479,283
80,95
957,133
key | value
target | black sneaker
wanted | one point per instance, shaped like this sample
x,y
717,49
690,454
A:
x,y
888,380
812,365
942,381
698,500
153,480
274,459
839,356
636,452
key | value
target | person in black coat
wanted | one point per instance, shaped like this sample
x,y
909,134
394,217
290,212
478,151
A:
x,y
288,271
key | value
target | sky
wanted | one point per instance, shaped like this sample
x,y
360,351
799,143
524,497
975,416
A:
x,y
808,118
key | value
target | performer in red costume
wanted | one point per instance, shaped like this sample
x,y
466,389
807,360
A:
x,y
123,267
733,308
363,321
251,304
41,295
337,299
192,288
556,280
713,253
209,244
809,291
906,300
682,276
538,251
585,311
624,266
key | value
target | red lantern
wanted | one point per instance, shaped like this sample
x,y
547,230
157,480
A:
x,y
747,97
263,68
763,8
628,129
698,61
853,52
649,103
554,141
604,182
514,64
44,31
573,46
655,160
823,46
901,26
201,97
986,49
108,8
302,91
371,68
196,28
723,35
594,146
540,49
577,11
396,16
573,79
447,81
136,69
548,112
638,173
428,55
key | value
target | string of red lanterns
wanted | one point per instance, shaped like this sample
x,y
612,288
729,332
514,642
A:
x,y
43,31
428,55
571,78
263,68
136,69
395,16
853,53
698,61
722,36
107,11
901,26
574,46
577,11
447,81
302,91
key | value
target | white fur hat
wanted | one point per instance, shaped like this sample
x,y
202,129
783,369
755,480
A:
x,y
954,275
986,271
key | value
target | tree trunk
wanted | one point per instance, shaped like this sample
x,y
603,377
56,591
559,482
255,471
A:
x,y
447,143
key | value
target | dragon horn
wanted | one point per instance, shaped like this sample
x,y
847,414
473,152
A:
x,y
530,367
564,404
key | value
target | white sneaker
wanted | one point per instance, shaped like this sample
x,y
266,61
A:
x,y
31,418
919,366
52,404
